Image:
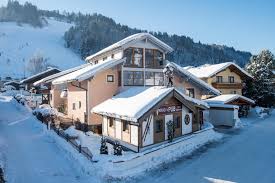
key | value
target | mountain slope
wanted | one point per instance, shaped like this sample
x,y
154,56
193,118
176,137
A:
x,y
18,44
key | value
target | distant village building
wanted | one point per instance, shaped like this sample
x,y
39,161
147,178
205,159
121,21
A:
x,y
227,77
29,82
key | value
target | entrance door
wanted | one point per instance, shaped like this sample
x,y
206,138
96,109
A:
x,y
167,119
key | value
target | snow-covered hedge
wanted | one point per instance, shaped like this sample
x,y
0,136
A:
x,y
262,112
44,111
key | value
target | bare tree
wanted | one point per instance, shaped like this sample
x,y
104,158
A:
x,y
37,63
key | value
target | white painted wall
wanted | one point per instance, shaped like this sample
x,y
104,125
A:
x,y
105,126
134,135
150,135
118,128
186,128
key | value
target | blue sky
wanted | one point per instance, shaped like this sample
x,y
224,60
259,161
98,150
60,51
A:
x,y
244,24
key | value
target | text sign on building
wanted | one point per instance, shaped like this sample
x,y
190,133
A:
x,y
169,109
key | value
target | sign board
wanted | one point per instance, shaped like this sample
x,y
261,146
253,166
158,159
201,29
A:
x,y
169,109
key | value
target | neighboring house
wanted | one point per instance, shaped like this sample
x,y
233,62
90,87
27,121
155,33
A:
x,y
135,61
29,82
140,117
15,84
227,77
56,92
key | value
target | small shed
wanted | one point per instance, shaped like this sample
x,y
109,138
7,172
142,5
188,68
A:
x,y
243,102
221,114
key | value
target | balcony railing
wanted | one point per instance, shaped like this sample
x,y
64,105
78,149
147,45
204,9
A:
x,y
227,85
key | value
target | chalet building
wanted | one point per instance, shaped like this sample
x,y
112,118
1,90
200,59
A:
x,y
136,61
139,117
29,82
13,83
227,77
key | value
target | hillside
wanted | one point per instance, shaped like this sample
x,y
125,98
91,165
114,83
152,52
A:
x,y
38,38
18,44
91,33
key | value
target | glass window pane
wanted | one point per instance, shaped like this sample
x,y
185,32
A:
x,y
149,78
159,78
138,78
149,58
128,53
158,57
128,78
138,57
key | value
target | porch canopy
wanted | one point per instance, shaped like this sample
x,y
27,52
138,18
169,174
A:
x,y
234,99
136,102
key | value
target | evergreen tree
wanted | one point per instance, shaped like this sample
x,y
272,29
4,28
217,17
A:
x,y
261,89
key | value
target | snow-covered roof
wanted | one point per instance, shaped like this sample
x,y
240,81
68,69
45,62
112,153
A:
x,y
134,102
88,71
220,105
226,98
131,39
190,76
208,70
57,75
10,82
38,76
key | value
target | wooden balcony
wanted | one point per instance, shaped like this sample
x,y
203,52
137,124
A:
x,y
227,85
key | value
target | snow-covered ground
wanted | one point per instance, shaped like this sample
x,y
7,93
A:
x,y
30,154
27,152
19,43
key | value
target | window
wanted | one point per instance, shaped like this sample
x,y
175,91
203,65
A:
x,y
219,79
112,56
234,92
134,57
79,104
159,126
149,78
125,126
73,106
133,78
153,58
96,62
104,58
154,78
149,58
159,80
110,78
177,121
190,92
158,58
231,79
111,122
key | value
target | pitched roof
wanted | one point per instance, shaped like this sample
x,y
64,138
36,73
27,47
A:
x,y
134,102
88,71
40,75
192,78
57,75
207,70
132,39
226,98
